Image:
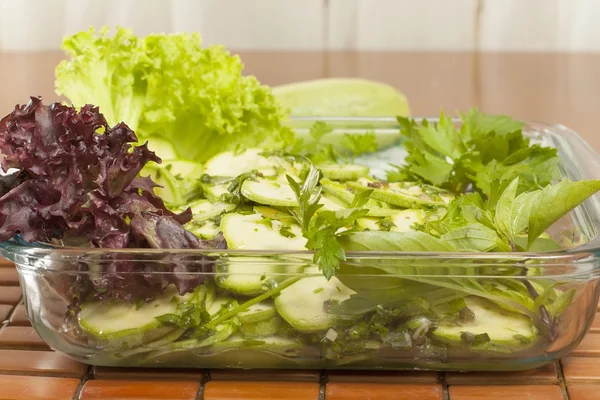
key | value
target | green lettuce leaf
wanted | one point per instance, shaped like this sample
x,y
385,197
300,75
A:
x,y
170,86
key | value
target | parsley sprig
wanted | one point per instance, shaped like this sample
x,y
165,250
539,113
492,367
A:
x,y
486,153
323,228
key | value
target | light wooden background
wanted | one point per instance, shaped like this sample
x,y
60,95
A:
x,y
428,25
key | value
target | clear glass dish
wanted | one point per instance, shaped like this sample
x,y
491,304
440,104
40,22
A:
x,y
405,339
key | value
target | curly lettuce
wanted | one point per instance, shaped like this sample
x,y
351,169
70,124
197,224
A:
x,y
170,86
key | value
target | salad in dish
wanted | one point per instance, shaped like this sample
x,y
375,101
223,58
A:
x,y
282,224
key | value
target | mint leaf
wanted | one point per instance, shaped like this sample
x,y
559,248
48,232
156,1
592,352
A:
x,y
555,201
503,217
475,237
394,241
521,210
539,245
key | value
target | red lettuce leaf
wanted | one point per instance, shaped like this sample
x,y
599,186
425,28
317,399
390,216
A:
x,y
78,178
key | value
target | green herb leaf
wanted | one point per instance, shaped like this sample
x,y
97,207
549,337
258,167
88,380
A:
x,y
555,201
361,198
477,125
475,237
521,210
308,197
319,129
504,210
488,153
443,137
394,241
360,143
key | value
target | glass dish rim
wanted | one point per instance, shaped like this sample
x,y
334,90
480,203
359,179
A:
x,y
13,249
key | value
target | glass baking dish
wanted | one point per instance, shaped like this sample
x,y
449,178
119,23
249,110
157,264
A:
x,y
51,277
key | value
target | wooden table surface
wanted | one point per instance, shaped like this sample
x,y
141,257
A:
x,y
549,88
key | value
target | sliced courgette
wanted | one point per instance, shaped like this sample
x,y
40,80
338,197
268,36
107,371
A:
x,y
273,213
404,220
214,192
263,328
369,224
253,232
122,324
339,190
258,312
183,169
269,192
404,194
503,328
346,195
343,172
207,230
302,304
331,203
221,331
247,275
203,210
170,190
233,164
163,148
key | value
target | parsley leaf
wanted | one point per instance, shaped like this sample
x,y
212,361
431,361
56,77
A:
x,y
316,150
360,143
319,129
322,229
234,189
191,313
308,197
486,153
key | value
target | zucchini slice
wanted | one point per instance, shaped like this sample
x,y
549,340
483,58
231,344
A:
x,y
263,328
253,232
302,304
231,164
247,275
221,332
345,194
404,194
339,190
269,192
121,324
214,192
170,189
183,169
258,312
163,148
331,203
206,231
343,172
504,328
203,210
405,219
272,344
368,224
